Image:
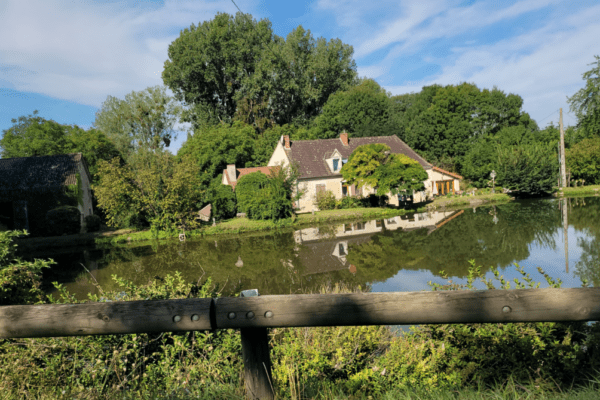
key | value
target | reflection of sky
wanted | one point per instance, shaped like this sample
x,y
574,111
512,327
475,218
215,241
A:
x,y
552,260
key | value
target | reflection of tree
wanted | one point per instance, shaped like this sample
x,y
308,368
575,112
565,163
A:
x,y
469,236
276,264
584,215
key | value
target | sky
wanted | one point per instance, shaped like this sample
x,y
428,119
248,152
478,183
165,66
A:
x,y
64,57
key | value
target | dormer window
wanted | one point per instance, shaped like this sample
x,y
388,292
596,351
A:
x,y
336,164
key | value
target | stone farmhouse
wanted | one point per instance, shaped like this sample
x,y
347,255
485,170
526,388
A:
x,y
31,186
320,162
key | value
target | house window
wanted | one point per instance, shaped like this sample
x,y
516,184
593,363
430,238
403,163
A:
x,y
378,223
345,190
348,228
359,226
342,250
336,164
445,187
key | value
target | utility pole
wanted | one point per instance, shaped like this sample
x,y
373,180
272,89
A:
x,y
563,169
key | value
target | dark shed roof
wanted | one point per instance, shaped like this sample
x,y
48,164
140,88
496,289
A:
x,y
310,155
35,173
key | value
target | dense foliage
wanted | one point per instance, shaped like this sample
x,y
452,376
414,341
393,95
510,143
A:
x,y
222,198
374,166
585,103
64,220
234,67
363,110
144,119
527,169
35,136
265,197
583,160
163,194
19,280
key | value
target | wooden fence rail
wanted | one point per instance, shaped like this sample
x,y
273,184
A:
x,y
253,315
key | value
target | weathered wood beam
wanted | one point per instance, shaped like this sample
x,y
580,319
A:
x,y
441,307
50,320
401,308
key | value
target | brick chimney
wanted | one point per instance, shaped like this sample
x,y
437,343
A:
x,y
231,172
286,142
344,138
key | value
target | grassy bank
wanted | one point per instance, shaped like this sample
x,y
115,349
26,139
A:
x,y
580,191
469,201
243,225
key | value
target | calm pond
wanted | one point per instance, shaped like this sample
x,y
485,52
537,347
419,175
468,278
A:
x,y
396,254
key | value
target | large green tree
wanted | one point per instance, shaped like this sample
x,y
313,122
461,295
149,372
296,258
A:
x,y
234,67
143,120
527,169
583,160
213,148
373,165
35,136
482,156
585,103
163,193
363,110
442,123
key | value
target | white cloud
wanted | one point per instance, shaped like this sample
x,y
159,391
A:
x,y
84,51
543,66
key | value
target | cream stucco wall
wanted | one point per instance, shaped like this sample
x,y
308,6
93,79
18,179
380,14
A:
x,y
435,176
410,221
279,157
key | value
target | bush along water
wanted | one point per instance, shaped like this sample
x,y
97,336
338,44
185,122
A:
x,y
307,362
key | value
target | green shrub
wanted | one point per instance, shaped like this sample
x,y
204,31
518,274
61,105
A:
x,y
583,159
63,220
373,200
350,202
527,169
222,199
125,366
325,200
92,223
262,197
19,280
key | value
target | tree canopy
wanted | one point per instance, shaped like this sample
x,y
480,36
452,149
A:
x,y
363,110
144,119
373,165
585,103
234,67
458,115
35,136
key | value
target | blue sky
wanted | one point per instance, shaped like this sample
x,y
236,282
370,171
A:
x,y
64,57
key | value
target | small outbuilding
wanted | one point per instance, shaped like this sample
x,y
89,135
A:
x,y
31,186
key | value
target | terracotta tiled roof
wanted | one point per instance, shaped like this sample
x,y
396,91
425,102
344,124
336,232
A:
x,y
443,171
34,173
245,171
310,155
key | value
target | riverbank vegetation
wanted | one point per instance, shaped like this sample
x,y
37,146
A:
x,y
538,360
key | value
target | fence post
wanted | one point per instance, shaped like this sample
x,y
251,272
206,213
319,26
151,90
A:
x,y
257,360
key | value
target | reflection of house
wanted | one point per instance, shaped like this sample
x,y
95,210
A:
x,y
320,162
431,220
327,249
327,256
31,186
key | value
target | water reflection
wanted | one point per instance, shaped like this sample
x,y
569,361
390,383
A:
x,y
400,253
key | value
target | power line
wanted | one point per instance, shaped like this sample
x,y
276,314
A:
x,y
549,115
